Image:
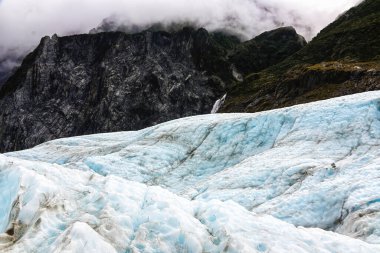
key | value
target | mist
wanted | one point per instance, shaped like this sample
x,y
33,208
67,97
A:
x,y
24,22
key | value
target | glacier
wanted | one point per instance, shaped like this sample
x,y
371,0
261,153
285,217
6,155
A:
x,y
297,179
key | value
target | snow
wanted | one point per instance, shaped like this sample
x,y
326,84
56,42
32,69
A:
x,y
218,104
81,238
67,210
234,182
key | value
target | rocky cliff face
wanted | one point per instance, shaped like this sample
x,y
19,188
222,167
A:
x,y
114,81
3,78
5,73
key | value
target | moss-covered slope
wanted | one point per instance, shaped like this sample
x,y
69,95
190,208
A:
x,y
343,58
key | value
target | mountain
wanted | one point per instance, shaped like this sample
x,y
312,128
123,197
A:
x,y
344,58
3,77
114,81
298,179
5,71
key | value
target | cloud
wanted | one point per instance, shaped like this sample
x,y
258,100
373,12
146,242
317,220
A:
x,y
24,22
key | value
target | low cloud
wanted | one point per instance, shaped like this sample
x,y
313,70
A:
x,y
24,22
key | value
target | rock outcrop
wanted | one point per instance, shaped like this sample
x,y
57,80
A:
x,y
114,81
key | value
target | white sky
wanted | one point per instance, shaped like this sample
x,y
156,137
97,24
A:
x,y
24,22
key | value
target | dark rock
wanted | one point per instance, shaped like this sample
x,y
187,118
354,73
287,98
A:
x,y
113,81
267,49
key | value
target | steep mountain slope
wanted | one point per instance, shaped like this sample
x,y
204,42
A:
x,y
314,165
266,49
115,81
343,59
4,75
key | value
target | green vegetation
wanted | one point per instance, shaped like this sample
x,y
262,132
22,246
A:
x,y
344,53
266,49
216,52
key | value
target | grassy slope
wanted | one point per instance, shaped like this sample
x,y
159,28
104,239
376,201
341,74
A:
x,y
348,48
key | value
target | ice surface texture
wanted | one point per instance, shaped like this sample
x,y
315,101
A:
x,y
234,182
56,209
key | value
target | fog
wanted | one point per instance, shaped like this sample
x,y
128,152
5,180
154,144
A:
x,y
24,22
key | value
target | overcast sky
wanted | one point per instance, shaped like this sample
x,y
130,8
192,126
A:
x,y
24,22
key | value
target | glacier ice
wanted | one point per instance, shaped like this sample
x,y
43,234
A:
x,y
241,182
57,209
